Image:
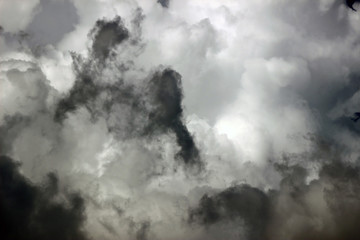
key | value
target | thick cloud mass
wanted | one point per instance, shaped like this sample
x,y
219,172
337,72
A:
x,y
164,3
243,203
31,212
351,3
107,35
181,119
158,105
326,208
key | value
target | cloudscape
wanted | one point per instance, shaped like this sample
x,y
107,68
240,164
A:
x,y
179,119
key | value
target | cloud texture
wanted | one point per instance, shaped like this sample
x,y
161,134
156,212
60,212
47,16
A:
x,y
179,120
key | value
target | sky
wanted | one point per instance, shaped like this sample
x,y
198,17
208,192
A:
x,y
179,119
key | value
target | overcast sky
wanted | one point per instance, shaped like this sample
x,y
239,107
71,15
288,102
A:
x,y
179,119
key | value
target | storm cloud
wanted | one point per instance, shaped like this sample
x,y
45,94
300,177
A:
x,y
159,105
179,120
28,211
164,3
350,4
325,208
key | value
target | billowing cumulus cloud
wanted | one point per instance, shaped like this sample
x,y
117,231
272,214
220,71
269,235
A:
x,y
157,102
179,120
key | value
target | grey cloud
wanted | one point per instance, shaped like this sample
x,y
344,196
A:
x,y
83,91
320,210
52,21
164,3
356,117
159,106
165,88
9,131
107,34
286,72
235,204
350,4
29,212
298,209
327,208
142,232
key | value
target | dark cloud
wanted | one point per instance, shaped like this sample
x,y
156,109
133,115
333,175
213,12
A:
x,y
235,204
166,95
350,3
89,83
81,94
32,212
163,94
143,231
343,198
106,35
164,3
356,117
327,208
153,108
